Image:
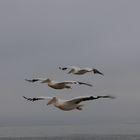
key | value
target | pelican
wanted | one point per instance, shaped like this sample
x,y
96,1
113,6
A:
x,y
80,71
67,105
57,84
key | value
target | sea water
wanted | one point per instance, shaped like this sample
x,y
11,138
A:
x,y
78,137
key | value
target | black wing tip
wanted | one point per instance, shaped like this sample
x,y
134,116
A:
x,y
108,96
81,83
62,68
25,97
31,80
97,72
101,74
28,99
90,85
28,80
112,97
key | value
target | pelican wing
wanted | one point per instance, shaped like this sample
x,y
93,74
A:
x,y
75,82
68,67
77,100
81,83
95,71
34,80
37,98
67,82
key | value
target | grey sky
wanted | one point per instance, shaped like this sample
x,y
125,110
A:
x,y
38,36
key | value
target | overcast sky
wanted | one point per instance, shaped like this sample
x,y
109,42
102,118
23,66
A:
x,y
38,36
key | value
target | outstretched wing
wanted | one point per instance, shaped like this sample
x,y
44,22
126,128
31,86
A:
x,y
81,83
75,82
77,100
37,98
69,67
35,80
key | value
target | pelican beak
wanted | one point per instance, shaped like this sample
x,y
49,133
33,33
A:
x,y
45,81
51,101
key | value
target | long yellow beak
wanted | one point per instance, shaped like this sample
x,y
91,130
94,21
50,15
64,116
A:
x,y
45,81
50,101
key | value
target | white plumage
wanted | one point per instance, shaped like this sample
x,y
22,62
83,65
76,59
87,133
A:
x,y
57,84
80,71
68,105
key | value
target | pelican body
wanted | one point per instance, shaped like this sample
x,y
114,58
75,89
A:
x,y
57,84
67,105
80,71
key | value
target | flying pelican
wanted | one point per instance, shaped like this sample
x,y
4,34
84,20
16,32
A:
x,y
80,71
57,84
68,105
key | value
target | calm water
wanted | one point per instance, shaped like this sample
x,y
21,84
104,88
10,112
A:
x,y
94,137
90,132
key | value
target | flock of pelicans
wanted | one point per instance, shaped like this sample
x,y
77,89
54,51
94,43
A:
x,y
71,104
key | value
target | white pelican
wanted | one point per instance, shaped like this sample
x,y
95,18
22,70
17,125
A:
x,y
57,84
80,71
68,105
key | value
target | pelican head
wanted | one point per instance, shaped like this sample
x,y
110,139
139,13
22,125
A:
x,y
52,101
97,72
46,81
